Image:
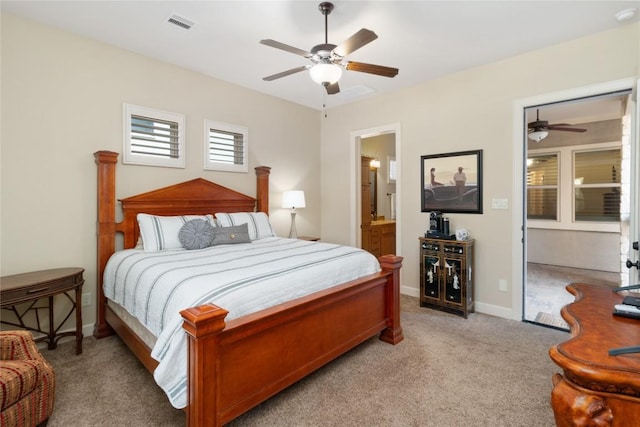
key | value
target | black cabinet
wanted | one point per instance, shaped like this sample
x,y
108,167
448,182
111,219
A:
x,y
446,275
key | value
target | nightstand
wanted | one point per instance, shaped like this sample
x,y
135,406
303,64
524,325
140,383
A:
x,y
309,238
36,285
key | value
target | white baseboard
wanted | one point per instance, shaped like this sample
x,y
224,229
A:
x,y
494,310
480,307
87,330
410,291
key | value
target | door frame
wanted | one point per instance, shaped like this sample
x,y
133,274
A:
x,y
354,184
519,190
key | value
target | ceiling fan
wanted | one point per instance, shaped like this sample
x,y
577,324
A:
x,y
539,129
328,58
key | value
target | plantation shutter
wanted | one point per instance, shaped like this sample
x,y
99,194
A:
x,y
154,137
542,187
226,147
597,185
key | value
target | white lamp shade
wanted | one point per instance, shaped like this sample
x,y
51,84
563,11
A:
x,y
325,73
293,199
538,135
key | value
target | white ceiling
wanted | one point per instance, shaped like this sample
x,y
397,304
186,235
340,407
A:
x,y
424,39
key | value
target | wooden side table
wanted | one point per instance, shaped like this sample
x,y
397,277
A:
x,y
36,285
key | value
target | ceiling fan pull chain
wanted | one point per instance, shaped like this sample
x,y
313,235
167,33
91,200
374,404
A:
x,y
324,103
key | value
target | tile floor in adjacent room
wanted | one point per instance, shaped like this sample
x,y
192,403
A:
x,y
546,293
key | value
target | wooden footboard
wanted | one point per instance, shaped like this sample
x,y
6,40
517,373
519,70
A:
x,y
235,365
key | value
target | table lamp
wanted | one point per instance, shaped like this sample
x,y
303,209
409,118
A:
x,y
292,200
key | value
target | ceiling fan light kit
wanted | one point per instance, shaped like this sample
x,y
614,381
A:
x,y
327,58
325,74
538,135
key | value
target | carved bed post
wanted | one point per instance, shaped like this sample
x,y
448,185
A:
x,y
262,191
202,325
106,161
393,333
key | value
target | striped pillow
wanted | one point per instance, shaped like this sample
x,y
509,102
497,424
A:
x,y
257,222
160,233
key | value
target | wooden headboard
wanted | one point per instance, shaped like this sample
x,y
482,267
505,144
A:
x,y
197,196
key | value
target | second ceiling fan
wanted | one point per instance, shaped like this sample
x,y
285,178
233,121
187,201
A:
x,y
539,129
328,58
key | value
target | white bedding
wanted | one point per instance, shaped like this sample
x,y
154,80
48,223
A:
x,y
241,278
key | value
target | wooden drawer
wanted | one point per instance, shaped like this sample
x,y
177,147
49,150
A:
x,y
31,286
35,285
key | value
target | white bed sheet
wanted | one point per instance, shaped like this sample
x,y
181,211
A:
x,y
241,278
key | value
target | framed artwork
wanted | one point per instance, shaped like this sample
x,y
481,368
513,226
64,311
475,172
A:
x,y
452,182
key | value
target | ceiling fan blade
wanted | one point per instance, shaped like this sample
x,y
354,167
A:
x,y
284,73
565,129
332,89
355,42
371,69
286,47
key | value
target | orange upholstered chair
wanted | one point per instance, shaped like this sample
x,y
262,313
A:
x,y
27,381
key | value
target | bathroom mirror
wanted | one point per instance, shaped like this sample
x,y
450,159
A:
x,y
373,189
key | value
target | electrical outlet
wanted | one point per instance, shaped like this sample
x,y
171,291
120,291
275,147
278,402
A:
x,y
502,285
86,299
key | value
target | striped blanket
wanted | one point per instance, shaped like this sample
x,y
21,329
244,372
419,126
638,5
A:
x,y
241,278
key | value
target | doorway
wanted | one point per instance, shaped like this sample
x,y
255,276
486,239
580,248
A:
x,y
577,191
378,194
388,189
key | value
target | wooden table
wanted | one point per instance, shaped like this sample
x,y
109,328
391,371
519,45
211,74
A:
x,y
36,285
596,389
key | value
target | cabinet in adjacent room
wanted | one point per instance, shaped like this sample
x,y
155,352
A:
x,y
381,237
446,275
378,234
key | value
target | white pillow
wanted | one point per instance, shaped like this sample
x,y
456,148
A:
x,y
160,233
257,222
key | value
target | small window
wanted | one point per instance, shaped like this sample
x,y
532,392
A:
x,y
153,137
226,147
542,187
391,179
596,185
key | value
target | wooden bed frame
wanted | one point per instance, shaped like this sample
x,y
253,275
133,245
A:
x,y
235,365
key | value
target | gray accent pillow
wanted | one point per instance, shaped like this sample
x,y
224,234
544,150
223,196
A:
x,y
228,235
196,234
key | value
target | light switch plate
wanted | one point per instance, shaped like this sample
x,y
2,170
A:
x,y
500,203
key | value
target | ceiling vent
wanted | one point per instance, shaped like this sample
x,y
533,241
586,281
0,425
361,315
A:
x,y
181,22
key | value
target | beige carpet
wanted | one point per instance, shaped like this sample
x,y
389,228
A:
x,y
482,371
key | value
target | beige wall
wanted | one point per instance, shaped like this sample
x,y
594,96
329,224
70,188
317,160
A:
x,y
469,110
570,248
62,99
